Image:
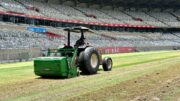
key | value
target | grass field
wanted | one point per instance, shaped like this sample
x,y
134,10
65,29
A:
x,y
144,76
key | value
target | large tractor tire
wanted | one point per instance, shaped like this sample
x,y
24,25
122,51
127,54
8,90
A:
x,y
107,64
89,61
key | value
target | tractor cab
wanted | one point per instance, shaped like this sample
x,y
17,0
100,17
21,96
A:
x,y
68,60
68,50
81,30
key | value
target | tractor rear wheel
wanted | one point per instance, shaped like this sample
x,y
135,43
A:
x,y
107,64
89,61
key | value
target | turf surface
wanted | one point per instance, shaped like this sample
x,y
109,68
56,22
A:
x,y
18,81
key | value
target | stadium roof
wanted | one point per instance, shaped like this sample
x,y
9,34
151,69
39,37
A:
x,y
137,3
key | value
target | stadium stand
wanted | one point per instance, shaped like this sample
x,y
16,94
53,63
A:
x,y
133,29
19,37
128,16
13,6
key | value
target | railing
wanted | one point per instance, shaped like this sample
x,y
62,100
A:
x,y
18,55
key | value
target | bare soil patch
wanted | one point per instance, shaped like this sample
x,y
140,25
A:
x,y
161,85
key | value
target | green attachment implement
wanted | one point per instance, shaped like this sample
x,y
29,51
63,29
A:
x,y
60,62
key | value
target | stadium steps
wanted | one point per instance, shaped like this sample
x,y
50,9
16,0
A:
x,y
20,3
133,17
146,37
109,37
23,4
77,10
55,8
113,17
85,12
157,19
176,35
7,9
4,9
175,16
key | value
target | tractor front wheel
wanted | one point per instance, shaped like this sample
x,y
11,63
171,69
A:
x,y
107,64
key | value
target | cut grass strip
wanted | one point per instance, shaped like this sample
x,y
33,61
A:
x,y
145,61
140,53
129,60
15,65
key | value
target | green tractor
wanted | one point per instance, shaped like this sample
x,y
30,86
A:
x,y
68,61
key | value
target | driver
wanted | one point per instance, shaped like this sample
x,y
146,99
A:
x,y
80,42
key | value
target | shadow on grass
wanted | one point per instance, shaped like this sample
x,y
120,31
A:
x,y
63,78
85,74
52,78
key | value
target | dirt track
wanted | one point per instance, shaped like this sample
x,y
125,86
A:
x,y
161,85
